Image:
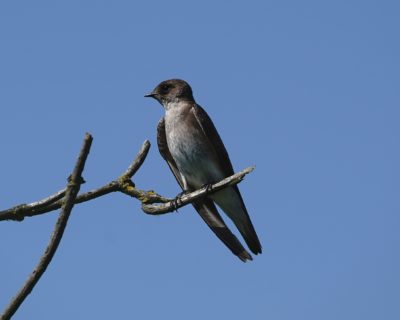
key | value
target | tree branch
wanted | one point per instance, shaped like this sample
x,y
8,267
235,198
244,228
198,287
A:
x,y
54,202
70,195
152,203
137,163
178,202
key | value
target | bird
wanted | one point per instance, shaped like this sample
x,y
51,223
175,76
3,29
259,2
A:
x,y
190,144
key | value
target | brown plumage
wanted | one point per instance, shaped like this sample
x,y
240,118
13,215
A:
x,y
196,155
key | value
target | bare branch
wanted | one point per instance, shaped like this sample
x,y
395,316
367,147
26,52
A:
x,y
70,196
178,202
17,212
49,200
137,163
152,203
54,202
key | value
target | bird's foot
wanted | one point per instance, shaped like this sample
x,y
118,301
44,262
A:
x,y
207,186
176,202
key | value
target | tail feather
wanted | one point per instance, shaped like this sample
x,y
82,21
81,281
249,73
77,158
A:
x,y
209,213
231,202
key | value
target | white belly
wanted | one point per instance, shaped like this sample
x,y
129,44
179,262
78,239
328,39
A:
x,y
191,151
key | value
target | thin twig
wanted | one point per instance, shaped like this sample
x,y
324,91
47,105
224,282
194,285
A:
x,y
178,202
152,202
70,196
137,163
18,213
47,201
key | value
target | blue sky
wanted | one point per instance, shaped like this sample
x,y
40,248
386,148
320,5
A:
x,y
308,91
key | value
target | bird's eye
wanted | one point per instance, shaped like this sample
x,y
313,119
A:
x,y
165,87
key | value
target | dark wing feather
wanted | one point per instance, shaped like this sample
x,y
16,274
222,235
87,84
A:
x,y
210,132
215,140
205,207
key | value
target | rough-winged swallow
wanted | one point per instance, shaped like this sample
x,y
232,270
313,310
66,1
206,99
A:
x,y
189,142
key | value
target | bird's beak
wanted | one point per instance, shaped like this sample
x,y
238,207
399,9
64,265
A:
x,y
150,95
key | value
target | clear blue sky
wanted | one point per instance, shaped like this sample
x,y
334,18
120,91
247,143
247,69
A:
x,y
308,91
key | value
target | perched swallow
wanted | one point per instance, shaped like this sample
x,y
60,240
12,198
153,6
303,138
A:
x,y
190,144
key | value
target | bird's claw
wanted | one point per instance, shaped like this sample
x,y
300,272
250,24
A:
x,y
176,202
207,186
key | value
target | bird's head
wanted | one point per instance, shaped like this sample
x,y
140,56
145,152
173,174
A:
x,y
173,90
